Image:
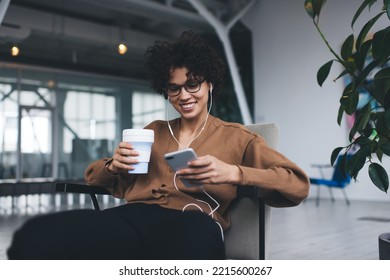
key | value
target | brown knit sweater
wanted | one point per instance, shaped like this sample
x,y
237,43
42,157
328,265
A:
x,y
281,182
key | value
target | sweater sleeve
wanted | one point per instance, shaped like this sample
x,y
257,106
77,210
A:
x,y
97,174
117,184
281,182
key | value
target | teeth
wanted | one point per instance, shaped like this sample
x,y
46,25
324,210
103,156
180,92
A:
x,y
187,106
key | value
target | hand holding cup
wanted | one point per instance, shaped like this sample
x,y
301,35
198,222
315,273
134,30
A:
x,y
124,158
140,143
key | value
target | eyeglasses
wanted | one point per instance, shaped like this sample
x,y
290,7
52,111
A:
x,y
190,86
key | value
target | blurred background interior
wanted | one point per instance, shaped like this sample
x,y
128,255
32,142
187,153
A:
x,y
69,92
67,89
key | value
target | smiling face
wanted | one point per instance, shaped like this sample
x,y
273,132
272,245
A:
x,y
191,106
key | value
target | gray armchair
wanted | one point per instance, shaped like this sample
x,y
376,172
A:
x,y
248,236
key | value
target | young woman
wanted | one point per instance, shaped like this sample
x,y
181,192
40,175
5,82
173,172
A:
x,y
163,219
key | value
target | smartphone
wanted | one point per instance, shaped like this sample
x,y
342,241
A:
x,y
179,159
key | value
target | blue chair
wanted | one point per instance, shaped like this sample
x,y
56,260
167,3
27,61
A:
x,y
338,180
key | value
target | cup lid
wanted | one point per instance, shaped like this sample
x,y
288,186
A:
x,y
138,132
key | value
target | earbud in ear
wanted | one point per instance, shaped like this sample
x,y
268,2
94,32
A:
x,y
211,87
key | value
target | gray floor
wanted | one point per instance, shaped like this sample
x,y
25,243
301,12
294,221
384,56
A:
x,y
332,231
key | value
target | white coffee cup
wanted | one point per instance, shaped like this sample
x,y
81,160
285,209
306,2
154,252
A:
x,y
142,140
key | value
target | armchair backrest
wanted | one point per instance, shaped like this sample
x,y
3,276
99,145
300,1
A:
x,y
248,237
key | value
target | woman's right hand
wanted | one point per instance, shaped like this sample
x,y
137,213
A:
x,y
123,159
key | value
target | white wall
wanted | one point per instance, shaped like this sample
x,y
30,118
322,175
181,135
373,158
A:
x,y
288,51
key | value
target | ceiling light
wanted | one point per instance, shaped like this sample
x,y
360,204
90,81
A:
x,y
122,48
51,84
15,51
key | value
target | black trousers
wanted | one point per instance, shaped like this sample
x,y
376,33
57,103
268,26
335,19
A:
x,y
131,231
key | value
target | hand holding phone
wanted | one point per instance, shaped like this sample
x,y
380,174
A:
x,y
179,159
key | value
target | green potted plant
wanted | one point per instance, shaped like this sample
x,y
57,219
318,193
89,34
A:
x,y
364,60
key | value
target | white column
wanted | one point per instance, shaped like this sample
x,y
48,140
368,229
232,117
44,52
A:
x,y
223,34
3,9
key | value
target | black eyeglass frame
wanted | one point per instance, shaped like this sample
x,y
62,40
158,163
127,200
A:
x,y
186,87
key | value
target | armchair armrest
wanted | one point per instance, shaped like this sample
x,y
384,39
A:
x,y
251,193
247,191
83,188
80,188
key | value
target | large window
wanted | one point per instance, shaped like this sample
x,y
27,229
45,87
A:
x,y
54,123
147,107
89,115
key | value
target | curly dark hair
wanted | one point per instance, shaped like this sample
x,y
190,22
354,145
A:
x,y
190,50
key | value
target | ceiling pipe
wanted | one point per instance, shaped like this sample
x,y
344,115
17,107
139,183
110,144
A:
x,y
3,9
164,11
29,20
223,34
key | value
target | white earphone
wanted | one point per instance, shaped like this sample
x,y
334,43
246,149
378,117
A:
x,y
211,87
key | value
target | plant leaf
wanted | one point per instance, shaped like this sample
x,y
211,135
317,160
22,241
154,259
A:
x,y
360,10
340,114
381,45
347,47
361,54
382,84
363,33
350,64
365,72
313,7
387,8
345,72
385,148
362,141
378,176
343,165
335,154
379,154
361,121
350,99
387,118
357,161
309,8
381,126
386,103
383,75
317,6
323,72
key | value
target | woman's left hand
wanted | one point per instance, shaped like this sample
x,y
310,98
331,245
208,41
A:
x,y
210,170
